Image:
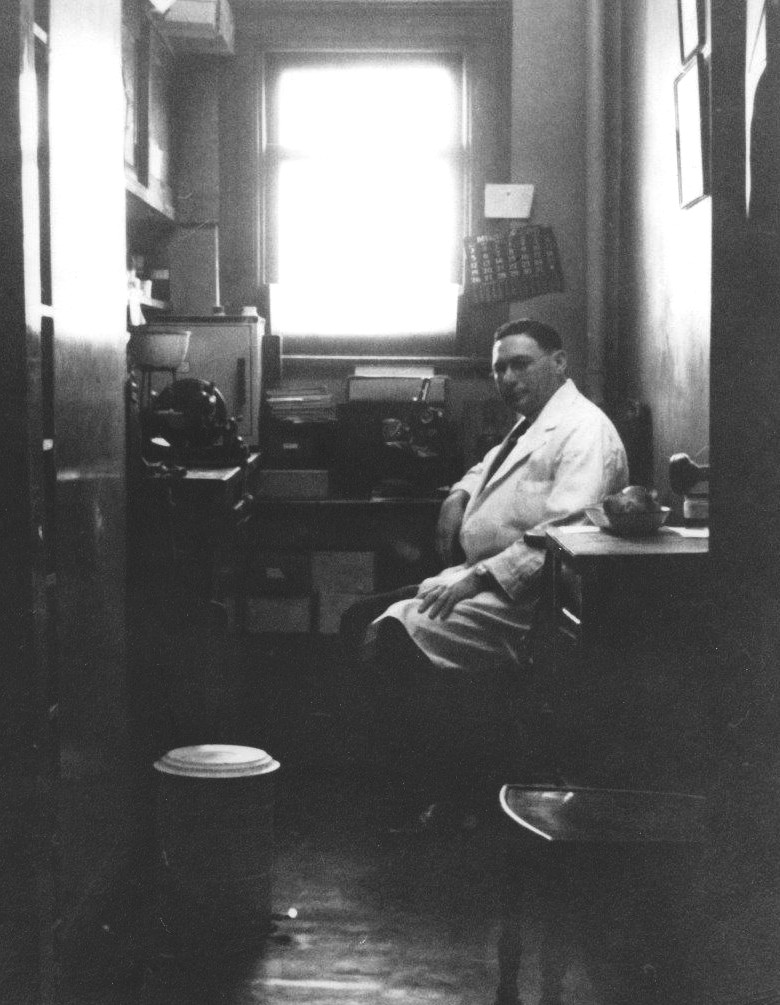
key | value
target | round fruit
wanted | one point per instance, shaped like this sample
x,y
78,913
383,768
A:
x,y
633,499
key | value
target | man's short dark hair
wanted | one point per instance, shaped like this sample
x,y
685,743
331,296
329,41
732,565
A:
x,y
546,338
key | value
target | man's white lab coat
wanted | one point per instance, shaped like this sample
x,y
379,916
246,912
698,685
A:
x,y
570,458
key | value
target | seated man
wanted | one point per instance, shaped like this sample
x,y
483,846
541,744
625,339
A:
x,y
562,455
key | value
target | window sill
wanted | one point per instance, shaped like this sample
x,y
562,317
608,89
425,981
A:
x,y
331,362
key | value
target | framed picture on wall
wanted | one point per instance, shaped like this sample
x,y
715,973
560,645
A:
x,y
762,105
691,119
690,14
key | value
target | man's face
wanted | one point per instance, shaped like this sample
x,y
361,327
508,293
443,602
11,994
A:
x,y
527,376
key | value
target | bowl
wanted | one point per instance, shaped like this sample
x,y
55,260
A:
x,y
159,350
634,524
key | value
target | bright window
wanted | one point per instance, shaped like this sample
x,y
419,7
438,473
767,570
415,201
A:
x,y
365,194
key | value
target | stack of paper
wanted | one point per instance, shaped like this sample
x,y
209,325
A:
x,y
301,404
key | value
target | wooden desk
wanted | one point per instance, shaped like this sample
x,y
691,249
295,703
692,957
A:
x,y
624,641
185,530
588,565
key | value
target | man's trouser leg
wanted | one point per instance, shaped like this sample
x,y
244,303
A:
x,y
445,734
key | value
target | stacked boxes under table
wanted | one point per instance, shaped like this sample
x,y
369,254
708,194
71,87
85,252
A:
x,y
305,591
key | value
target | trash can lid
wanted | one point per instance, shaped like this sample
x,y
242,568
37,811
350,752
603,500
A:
x,y
216,760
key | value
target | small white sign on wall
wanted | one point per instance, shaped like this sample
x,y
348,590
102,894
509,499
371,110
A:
x,y
508,202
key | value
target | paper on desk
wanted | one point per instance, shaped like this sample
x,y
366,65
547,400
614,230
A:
x,y
678,531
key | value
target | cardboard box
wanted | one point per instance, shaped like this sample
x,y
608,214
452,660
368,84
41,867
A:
x,y
280,614
343,572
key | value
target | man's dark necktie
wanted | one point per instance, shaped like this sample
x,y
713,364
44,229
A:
x,y
506,449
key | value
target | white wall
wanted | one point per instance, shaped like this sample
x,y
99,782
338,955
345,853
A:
x,y
548,149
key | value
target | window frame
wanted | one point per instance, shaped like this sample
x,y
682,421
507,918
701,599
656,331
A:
x,y
479,33
274,154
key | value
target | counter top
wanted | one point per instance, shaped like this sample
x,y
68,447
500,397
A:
x,y
592,542
348,501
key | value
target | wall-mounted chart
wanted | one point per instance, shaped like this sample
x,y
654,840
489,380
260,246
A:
x,y
519,265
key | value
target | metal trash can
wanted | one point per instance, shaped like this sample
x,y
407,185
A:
x,y
215,806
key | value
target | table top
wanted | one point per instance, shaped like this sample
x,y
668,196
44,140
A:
x,y
428,502
606,816
585,541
